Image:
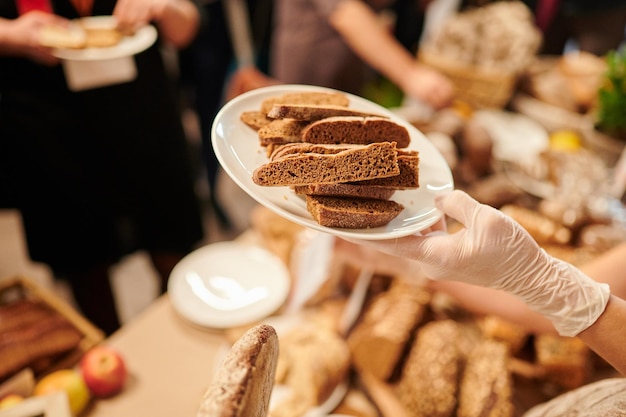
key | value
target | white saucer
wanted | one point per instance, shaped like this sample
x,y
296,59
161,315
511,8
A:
x,y
228,284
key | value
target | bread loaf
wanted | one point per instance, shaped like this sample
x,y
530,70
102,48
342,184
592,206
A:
x,y
354,129
486,387
378,341
428,386
243,383
299,164
352,213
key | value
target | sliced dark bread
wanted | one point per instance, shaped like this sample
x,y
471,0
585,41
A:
x,y
327,164
310,112
345,190
306,97
254,119
352,213
354,129
408,178
281,131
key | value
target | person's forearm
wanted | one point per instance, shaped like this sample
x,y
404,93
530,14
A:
x,y
487,301
179,23
609,268
362,31
607,336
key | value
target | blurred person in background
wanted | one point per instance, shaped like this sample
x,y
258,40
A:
x,y
343,44
100,172
595,26
206,65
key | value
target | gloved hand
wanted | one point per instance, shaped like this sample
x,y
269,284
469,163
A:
x,y
494,251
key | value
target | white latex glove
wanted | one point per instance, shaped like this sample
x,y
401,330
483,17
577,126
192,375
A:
x,y
494,251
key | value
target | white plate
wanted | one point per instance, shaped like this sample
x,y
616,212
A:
x,y
228,284
129,45
238,151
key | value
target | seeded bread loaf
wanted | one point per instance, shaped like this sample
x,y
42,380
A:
x,y
354,129
428,385
486,386
352,213
345,190
310,112
328,164
306,97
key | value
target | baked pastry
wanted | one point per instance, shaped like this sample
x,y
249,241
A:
x,y
354,129
311,112
300,164
352,213
244,381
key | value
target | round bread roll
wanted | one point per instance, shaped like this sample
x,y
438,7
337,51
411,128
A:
x,y
243,383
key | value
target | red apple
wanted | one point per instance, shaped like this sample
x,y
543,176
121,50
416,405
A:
x,y
104,371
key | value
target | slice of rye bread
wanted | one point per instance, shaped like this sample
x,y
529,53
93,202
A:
x,y
327,164
306,97
345,190
354,129
310,112
243,383
352,213
281,131
254,119
408,178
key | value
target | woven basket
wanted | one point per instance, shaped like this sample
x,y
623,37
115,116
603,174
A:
x,y
478,87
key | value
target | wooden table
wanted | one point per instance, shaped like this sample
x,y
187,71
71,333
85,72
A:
x,y
170,361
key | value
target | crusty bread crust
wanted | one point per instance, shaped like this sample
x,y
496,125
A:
x,y
245,379
355,129
351,163
352,213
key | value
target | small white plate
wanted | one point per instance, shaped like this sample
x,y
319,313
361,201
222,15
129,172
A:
x,y
238,151
228,284
128,46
